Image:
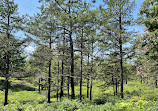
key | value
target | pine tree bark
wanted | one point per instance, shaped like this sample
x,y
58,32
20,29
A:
x,y
72,57
58,81
113,84
81,66
88,77
62,77
116,85
121,55
7,62
91,82
6,85
39,85
155,80
49,73
68,82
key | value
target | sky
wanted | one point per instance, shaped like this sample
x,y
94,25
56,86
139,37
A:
x,y
30,7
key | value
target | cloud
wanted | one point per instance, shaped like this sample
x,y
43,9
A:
x,y
29,49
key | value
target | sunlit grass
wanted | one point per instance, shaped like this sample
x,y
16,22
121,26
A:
x,y
137,97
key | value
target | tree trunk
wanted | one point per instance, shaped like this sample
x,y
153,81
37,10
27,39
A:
x,y
113,84
155,81
121,56
72,57
6,90
49,73
88,77
42,87
126,80
116,86
39,85
7,79
58,81
62,77
7,66
49,82
68,82
91,82
81,66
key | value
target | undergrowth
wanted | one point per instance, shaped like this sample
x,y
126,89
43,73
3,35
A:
x,y
138,97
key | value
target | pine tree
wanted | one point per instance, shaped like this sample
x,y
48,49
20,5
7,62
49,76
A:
x,y
119,12
9,23
149,17
43,26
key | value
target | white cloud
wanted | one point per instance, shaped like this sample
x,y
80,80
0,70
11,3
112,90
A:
x,y
29,49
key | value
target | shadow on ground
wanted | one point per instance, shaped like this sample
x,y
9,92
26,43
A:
x,y
16,87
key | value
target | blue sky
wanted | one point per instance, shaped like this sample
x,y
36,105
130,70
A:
x,y
27,6
30,7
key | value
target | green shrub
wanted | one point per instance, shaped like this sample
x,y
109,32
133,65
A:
x,y
68,105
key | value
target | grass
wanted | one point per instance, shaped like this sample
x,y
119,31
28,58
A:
x,y
138,97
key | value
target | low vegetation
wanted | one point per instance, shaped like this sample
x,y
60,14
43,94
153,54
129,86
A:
x,y
138,97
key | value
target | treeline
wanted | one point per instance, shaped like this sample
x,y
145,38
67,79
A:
x,y
77,45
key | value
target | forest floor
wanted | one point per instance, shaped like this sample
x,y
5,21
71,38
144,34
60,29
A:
x,y
24,96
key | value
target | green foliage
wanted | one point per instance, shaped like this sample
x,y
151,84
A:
x,y
148,17
138,97
12,59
